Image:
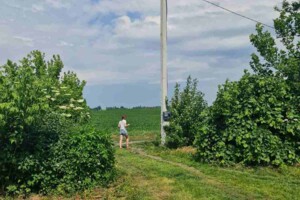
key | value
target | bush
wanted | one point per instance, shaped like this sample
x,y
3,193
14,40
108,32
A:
x,y
79,160
38,112
256,120
186,107
252,121
19,168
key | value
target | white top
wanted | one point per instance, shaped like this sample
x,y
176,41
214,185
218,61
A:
x,y
122,124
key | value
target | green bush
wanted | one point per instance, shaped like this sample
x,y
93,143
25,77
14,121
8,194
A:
x,y
186,107
20,167
256,120
252,121
38,111
79,160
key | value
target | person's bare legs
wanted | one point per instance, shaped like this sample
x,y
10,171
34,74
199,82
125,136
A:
x,y
121,139
127,141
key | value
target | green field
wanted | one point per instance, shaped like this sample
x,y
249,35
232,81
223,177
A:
x,y
147,171
144,122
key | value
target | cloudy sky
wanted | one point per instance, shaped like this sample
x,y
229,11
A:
x,y
115,44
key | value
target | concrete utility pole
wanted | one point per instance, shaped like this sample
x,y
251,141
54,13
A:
x,y
164,76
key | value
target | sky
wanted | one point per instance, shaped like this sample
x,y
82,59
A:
x,y
115,44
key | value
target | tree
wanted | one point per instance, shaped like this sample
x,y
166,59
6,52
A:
x,y
285,62
36,107
186,107
34,89
256,120
98,108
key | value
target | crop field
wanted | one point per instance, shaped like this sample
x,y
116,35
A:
x,y
144,122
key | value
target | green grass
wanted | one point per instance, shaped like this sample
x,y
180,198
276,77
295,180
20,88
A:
x,y
153,179
260,182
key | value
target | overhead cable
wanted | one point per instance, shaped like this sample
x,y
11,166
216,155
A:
x,y
240,15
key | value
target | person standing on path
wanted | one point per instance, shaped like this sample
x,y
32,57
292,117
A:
x,y
123,132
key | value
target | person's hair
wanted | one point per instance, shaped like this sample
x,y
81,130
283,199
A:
x,y
123,116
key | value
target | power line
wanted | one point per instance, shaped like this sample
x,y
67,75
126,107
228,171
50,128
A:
x,y
233,12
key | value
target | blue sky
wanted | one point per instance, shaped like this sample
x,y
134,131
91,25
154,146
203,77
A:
x,y
114,44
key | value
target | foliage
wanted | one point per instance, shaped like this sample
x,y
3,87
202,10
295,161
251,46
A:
x,y
284,62
26,161
252,121
98,108
186,107
256,120
146,107
37,106
115,108
79,160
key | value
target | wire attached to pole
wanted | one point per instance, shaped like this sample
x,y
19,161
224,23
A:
x,y
240,15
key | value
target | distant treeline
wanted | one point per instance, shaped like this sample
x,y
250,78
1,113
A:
x,y
122,107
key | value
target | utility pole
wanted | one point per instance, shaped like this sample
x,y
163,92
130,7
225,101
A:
x,y
164,81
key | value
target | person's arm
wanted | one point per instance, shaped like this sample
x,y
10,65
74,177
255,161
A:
x,y
119,126
126,124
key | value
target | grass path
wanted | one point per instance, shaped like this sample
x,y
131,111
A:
x,y
230,191
149,172
148,177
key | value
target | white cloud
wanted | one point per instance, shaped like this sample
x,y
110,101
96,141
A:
x,y
27,41
208,79
211,43
37,8
121,7
58,3
99,76
63,43
147,28
205,41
